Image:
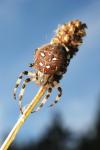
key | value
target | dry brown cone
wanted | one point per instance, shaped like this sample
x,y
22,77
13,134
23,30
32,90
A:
x,y
70,35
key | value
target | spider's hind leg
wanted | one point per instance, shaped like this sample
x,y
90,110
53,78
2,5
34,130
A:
x,y
28,73
59,89
45,99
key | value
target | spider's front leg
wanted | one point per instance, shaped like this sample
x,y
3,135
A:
x,y
59,89
22,74
23,90
49,90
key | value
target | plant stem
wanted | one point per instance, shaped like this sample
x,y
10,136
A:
x,y
23,117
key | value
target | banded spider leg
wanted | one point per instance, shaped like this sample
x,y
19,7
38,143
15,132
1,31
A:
x,y
32,77
59,89
49,90
56,85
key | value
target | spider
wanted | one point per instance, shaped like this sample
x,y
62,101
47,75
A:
x,y
51,61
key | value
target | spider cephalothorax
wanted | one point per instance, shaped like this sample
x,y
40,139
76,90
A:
x,y
51,60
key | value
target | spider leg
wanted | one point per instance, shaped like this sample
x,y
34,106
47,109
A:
x,y
29,73
23,90
44,100
56,85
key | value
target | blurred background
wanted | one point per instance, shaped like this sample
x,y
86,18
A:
x,y
74,123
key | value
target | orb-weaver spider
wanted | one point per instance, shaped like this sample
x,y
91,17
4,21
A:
x,y
51,60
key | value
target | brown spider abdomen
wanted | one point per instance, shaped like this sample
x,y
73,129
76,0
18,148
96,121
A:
x,y
50,59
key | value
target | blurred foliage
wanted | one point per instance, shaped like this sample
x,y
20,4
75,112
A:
x,y
92,141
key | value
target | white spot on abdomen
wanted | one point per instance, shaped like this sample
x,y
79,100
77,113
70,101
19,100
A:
x,y
48,66
42,54
54,58
41,64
